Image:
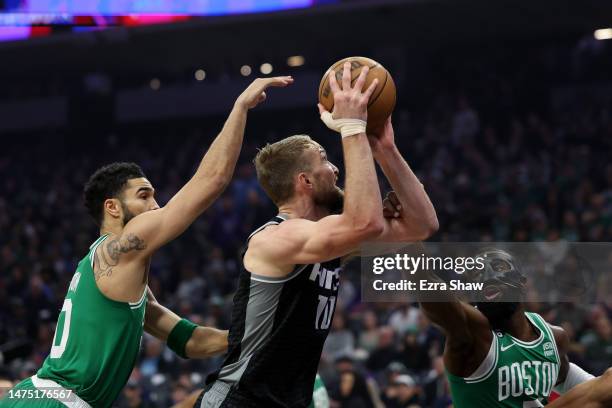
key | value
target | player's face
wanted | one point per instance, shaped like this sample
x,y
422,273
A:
x,y
326,192
499,303
137,198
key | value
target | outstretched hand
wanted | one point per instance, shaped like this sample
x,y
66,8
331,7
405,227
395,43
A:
x,y
255,93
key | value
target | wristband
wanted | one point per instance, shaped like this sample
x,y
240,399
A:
x,y
180,334
346,127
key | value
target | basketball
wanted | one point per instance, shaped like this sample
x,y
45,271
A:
x,y
382,100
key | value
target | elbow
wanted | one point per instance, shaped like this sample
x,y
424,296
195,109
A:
x,y
424,230
370,227
218,183
221,181
431,227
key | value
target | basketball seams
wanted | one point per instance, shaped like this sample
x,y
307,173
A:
x,y
382,88
333,70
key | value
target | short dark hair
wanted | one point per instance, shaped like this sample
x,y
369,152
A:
x,y
107,182
278,163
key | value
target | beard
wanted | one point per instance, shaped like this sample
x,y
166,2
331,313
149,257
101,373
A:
x,y
498,313
127,214
332,200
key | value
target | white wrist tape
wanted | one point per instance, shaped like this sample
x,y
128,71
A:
x,y
346,127
575,375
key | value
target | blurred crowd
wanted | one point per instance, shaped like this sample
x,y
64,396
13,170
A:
x,y
510,147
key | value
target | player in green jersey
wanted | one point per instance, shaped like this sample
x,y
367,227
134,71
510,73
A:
x,y
497,354
108,303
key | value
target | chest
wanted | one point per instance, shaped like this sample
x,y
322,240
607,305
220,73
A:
x,y
522,372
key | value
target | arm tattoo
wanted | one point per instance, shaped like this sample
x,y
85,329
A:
x,y
108,255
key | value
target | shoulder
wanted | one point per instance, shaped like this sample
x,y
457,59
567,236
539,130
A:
x,y
287,231
561,337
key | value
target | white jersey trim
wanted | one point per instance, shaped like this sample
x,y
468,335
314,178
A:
x,y
94,247
75,400
488,364
530,344
266,279
136,305
552,337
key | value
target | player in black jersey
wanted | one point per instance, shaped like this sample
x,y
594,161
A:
x,y
287,290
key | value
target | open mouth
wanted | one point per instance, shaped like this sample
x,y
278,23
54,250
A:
x,y
492,292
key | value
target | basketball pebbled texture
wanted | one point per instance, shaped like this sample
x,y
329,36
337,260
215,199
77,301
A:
x,y
381,102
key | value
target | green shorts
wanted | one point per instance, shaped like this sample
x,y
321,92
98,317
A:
x,y
25,395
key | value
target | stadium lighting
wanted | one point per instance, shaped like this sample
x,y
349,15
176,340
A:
x,y
200,74
603,34
266,68
295,61
155,84
245,70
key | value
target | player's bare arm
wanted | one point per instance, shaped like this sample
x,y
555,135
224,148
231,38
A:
x,y
122,254
418,220
562,341
467,331
204,341
304,241
595,393
573,377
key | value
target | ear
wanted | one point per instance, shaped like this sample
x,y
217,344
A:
x,y
112,206
304,182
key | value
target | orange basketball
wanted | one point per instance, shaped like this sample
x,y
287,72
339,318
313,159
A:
x,y
382,100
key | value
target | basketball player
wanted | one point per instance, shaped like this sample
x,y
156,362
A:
x,y
288,286
497,354
99,330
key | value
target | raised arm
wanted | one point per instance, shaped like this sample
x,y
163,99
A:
x,y
155,228
203,341
419,220
467,332
300,241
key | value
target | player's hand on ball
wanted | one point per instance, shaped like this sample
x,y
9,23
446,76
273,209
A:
x,y
350,102
392,208
255,93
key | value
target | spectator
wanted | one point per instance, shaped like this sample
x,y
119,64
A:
x,y
385,352
340,341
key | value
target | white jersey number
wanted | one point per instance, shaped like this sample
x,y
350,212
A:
x,y
57,351
325,312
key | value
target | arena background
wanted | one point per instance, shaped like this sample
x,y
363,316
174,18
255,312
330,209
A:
x,y
504,111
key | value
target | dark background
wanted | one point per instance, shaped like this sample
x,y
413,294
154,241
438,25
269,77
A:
x,y
504,111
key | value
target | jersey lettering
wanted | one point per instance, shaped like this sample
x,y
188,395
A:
x,y
325,311
74,283
516,380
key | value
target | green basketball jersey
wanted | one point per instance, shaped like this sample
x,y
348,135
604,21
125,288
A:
x,y
514,374
320,398
96,340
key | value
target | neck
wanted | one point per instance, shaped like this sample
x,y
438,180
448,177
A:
x,y
111,229
520,327
303,208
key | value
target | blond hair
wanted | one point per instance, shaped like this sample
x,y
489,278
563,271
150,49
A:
x,y
278,163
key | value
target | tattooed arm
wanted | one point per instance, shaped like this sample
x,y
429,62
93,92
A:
x,y
107,255
123,260
156,228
